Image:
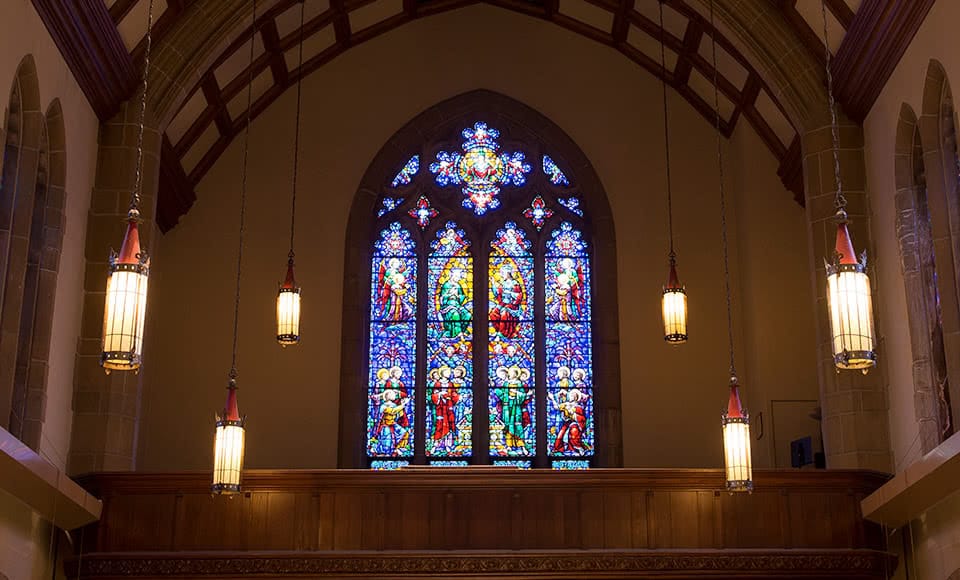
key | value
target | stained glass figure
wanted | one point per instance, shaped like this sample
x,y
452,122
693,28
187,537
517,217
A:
x,y
423,212
407,172
569,353
481,169
448,463
389,204
449,418
538,212
570,464
553,172
387,465
511,345
518,463
390,408
572,204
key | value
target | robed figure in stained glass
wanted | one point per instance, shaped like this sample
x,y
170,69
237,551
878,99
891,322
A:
x,y
444,399
512,406
391,291
573,426
507,294
568,288
392,435
454,304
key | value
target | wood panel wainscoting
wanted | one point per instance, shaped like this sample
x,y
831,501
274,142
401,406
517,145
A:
x,y
484,522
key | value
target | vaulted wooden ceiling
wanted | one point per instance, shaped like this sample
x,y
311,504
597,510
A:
x,y
212,109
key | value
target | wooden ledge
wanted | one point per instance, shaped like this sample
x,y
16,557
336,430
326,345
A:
x,y
482,477
917,488
42,486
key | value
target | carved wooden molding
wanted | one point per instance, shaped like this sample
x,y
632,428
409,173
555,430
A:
x,y
637,563
879,35
91,45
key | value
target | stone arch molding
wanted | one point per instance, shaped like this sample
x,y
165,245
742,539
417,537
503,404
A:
x,y
435,125
32,195
938,133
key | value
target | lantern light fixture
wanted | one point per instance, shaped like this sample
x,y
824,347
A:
x,y
288,297
737,457
128,272
849,299
230,427
674,300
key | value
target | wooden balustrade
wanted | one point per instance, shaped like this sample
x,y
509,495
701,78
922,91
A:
x,y
482,519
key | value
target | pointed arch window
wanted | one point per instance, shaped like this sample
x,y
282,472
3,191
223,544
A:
x,y
480,325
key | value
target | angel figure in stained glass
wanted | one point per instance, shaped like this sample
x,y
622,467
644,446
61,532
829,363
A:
x,y
392,304
513,399
392,432
508,296
570,302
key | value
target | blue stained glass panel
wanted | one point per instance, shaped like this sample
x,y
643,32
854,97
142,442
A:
x,y
393,344
568,347
572,204
571,464
553,172
448,463
407,172
449,418
387,465
518,463
389,204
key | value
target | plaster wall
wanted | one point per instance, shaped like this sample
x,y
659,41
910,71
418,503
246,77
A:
x,y
22,33
672,396
935,534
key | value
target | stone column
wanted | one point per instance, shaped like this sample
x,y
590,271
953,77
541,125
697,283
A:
x,y
854,406
106,407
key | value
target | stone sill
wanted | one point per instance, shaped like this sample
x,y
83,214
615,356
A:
x,y
42,486
920,486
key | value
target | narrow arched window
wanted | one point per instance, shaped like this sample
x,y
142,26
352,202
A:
x,y
480,325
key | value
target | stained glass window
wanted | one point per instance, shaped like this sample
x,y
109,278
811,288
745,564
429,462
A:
x,y
481,169
529,376
556,176
449,419
407,172
511,345
569,356
392,378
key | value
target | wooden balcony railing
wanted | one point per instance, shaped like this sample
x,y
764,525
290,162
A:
x,y
475,521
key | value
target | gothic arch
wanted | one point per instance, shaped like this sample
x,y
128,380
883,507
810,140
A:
x,y
24,136
433,125
918,266
40,283
938,132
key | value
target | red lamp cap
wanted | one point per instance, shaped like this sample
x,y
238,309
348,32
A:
x,y
130,250
230,410
734,406
844,246
290,282
673,281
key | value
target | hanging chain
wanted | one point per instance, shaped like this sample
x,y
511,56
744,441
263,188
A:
x,y
841,201
243,195
296,136
723,202
666,133
134,211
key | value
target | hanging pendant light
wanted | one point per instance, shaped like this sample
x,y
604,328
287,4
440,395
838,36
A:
x,y
125,302
848,286
230,430
674,301
288,298
737,458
